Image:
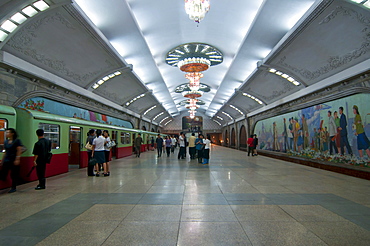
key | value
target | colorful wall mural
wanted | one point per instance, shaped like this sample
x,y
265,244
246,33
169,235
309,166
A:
x,y
334,131
53,107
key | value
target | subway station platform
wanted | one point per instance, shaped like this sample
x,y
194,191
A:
x,y
235,200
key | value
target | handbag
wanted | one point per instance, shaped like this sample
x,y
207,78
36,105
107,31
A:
x,y
88,146
111,144
92,161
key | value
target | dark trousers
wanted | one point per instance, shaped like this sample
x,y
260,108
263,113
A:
x,y
138,150
200,155
159,150
344,141
250,150
40,170
182,153
333,145
90,168
192,152
168,150
14,173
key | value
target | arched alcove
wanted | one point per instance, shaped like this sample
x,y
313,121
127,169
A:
x,y
232,142
243,138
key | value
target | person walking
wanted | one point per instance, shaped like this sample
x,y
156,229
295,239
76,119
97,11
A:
x,y
173,144
199,146
138,142
159,142
182,151
98,152
11,158
207,146
192,139
90,139
168,145
41,151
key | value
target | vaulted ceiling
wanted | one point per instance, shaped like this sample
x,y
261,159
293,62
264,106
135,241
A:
x,y
273,51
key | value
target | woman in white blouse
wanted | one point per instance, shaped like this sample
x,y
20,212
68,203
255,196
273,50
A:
x,y
207,146
98,151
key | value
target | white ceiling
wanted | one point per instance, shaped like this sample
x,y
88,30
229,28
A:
x,y
245,31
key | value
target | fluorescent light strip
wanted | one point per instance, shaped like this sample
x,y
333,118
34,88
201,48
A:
x,y
19,18
105,79
167,122
252,97
227,115
148,110
158,115
29,11
217,122
285,76
165,118
8,26
3,36
219,117
232,106
41,5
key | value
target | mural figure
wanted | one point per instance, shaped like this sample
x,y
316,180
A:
x,y
337,136
362,140
296,128
343,133
306,135
275,135
332,134
285,135
290,134
300,140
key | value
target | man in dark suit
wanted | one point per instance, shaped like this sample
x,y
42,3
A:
x,y
41,151
343,132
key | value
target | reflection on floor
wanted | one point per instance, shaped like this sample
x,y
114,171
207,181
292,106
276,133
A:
x,y
235,200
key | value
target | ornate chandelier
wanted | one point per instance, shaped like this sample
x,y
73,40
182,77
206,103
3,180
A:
x,y
197,9
194,80
192,114
192,104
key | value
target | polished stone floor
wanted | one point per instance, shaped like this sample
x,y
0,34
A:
x,y
235,200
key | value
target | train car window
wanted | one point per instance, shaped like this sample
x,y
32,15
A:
x,y
128,138
51,132
3,126
123,138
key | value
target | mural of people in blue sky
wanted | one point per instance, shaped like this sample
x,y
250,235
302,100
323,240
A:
x,y
53,107
338,127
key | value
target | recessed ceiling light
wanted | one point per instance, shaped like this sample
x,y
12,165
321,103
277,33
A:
x,y
3,36
41,5
29,11
19,18
8,26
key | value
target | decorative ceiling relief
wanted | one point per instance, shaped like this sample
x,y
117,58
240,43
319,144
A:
x,y
36,43
357,29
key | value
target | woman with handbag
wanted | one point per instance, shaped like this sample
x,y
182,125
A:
x,y
88,146
11,158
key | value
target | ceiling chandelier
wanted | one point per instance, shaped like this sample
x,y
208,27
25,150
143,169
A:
x,y
194,80
194,58
197,9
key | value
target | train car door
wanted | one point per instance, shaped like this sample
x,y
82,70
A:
x,y
114,151
74,147
3,127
